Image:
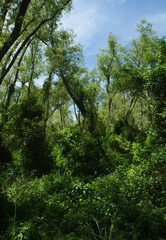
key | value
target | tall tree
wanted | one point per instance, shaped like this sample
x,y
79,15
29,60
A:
x,y
22,8
155,85
27,17
65,57
107,60
129,77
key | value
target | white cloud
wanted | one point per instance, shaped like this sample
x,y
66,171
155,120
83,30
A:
x,y
92,20
158,20
84,20
88,17
122,1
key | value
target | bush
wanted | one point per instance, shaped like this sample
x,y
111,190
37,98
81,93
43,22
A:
x,y
77,151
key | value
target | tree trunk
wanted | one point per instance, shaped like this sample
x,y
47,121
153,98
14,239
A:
x,y
17,28
16,77
79,104
77,115
3,74
131,107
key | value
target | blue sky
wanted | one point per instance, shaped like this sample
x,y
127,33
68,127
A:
x,y
92,20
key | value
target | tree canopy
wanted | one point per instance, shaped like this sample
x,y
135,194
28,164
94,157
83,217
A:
x,y
83,155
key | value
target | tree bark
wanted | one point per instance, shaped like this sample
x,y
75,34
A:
x,y
131,107
16,77
110,104
17,28
4,11
4,73
79,104
77,115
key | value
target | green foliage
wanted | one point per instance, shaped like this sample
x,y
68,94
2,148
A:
x,y
103,178
38,202
79,152
125,204
23,133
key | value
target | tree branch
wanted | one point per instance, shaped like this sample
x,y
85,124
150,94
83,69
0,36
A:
x,y
79,104
4,11
17,28
16,76
3,74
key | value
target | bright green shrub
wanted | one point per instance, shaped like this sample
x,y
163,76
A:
x,y
78,151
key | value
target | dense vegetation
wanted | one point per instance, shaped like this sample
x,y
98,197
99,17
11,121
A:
x,y
83,156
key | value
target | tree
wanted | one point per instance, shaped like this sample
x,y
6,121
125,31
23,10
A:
x,y
55,99
155,84
107,60
27,17
28,67
129,77
65,59
22,7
